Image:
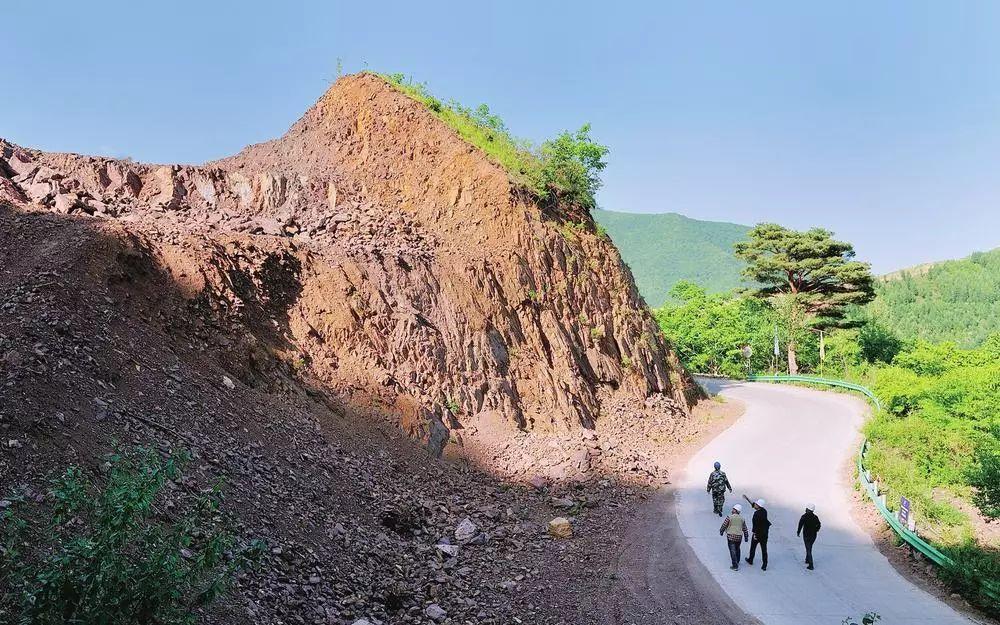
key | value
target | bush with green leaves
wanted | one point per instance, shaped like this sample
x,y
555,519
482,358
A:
x,y
937,443
984,477
877,343
566,168
708,331
971,566
570,168
117,554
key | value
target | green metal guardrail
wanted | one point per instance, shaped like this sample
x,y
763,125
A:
x,y
864,477
813,379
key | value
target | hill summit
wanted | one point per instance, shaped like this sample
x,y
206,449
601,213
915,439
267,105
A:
x,y
952,300
402,264
664,248
303,318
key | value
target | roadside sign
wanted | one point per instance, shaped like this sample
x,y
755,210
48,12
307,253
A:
x,y
904,511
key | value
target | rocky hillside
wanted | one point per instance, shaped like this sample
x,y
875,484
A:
x,y
393,262
297,316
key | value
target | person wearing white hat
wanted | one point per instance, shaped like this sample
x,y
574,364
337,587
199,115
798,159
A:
x,y
735,529
808,528
759,531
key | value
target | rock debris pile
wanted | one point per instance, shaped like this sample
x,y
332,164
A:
x,y
308,318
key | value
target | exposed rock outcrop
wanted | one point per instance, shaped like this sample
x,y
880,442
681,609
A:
x,y
276,315
389,262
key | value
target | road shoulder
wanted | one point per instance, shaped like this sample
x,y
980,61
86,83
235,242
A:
x,y
656,577
909,564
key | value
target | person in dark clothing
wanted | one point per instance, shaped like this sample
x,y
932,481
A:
x,y
735,529
808,528
758,533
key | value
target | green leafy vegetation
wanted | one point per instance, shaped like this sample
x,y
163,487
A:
x,y
709,331
937,439
565,169
957,300
665,248
809,277
937,442
117,554
569,229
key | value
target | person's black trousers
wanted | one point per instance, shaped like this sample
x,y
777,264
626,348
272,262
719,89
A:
x,y
734,552
754,541
809,548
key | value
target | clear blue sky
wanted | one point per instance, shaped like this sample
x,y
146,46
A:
x,y
878,120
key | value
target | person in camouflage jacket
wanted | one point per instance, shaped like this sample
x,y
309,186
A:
x,y
717,485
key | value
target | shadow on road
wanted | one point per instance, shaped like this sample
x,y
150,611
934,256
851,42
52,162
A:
x,y
791,447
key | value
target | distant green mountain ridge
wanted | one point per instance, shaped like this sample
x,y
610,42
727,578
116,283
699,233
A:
x,y
664,248
954,300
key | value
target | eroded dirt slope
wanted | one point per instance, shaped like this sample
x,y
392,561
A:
x,y
298,315
422,276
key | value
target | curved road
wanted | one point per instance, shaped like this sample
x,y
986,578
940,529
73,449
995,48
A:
x,y
790,447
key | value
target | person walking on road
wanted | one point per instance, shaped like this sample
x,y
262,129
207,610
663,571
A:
x,y
735,529
808,528
758,533
717,485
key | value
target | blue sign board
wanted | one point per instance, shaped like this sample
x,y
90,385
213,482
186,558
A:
x,y
904,511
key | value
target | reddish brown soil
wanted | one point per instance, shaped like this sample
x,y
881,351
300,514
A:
x,y
302,316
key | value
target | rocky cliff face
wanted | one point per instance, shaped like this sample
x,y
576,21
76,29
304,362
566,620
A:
x,y
387,264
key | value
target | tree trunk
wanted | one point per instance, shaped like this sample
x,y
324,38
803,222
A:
x,y
793,365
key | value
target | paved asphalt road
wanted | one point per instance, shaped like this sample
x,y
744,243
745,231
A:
x,y
790,447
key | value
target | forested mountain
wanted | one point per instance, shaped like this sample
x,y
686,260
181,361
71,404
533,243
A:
x,y
665,248
956,300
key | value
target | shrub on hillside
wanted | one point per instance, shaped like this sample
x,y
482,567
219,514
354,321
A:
x,y
972,565
571,167
114,555
899,389
878,343
984,477
929,358
566,168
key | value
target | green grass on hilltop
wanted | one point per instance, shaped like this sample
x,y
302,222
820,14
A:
x,y
566,168
663,249
479,126
956,300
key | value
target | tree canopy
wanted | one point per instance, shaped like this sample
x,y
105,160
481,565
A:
x,y
957,300
810,277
